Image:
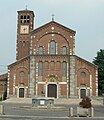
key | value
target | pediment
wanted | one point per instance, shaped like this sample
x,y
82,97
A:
x,y
53,27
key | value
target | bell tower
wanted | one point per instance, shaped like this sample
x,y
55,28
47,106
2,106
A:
x,y
24,26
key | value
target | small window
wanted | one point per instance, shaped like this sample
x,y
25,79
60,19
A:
x,y
21,17
28,17
28,21
25,19
24,44
22,73
40,50
83,74
22,21
64,51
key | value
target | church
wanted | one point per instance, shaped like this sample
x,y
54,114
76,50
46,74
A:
x,y
46,64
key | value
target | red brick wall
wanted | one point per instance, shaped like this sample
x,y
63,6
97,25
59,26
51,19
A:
x,y
3,83
89,69
52,65
15,70
40,89
63,90
44,35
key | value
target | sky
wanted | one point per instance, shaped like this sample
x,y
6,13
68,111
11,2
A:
x,y
86,17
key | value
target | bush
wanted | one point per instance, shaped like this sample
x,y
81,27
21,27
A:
x,y
0,98
85,103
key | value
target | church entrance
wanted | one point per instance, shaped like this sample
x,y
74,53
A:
x,y
52,90
82,93
21,92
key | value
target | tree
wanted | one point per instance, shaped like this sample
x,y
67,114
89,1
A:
x,y
99,61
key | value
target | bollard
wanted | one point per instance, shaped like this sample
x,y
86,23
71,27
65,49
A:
x,y
71,112
92,112
1,110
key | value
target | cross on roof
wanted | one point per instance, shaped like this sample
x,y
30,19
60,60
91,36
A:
x,y
53,17
26,7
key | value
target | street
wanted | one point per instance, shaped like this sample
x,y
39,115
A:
x,y
27,112
47,118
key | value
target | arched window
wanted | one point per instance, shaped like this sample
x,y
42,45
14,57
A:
x,y
24,44
64,50
40,68
52,47
40,50
64,69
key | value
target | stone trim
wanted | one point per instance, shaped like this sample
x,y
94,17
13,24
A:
x,y
32,75
90,85
72,76
96,82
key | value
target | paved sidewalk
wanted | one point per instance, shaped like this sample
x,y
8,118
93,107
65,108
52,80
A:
x,y
56,101
13,117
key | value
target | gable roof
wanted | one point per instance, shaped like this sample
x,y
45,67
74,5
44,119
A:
x,y
53,23
25,11
85,61
3,76
19,61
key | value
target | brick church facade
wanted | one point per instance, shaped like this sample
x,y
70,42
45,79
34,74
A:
x,y
46,64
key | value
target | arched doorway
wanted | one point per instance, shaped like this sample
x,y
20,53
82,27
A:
x,y
82,93
52,90
21,92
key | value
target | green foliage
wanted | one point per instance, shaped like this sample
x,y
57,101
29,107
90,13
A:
x,y
0,98
99,61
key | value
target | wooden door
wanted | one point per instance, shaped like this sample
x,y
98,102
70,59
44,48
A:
x,y
52,90
83,93
21,92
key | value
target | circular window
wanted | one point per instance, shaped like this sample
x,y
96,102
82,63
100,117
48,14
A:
x,y
83,74
22,73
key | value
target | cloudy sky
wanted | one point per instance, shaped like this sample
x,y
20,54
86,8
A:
x,y
86,17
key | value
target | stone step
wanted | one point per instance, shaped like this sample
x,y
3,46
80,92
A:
x,y
56,101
